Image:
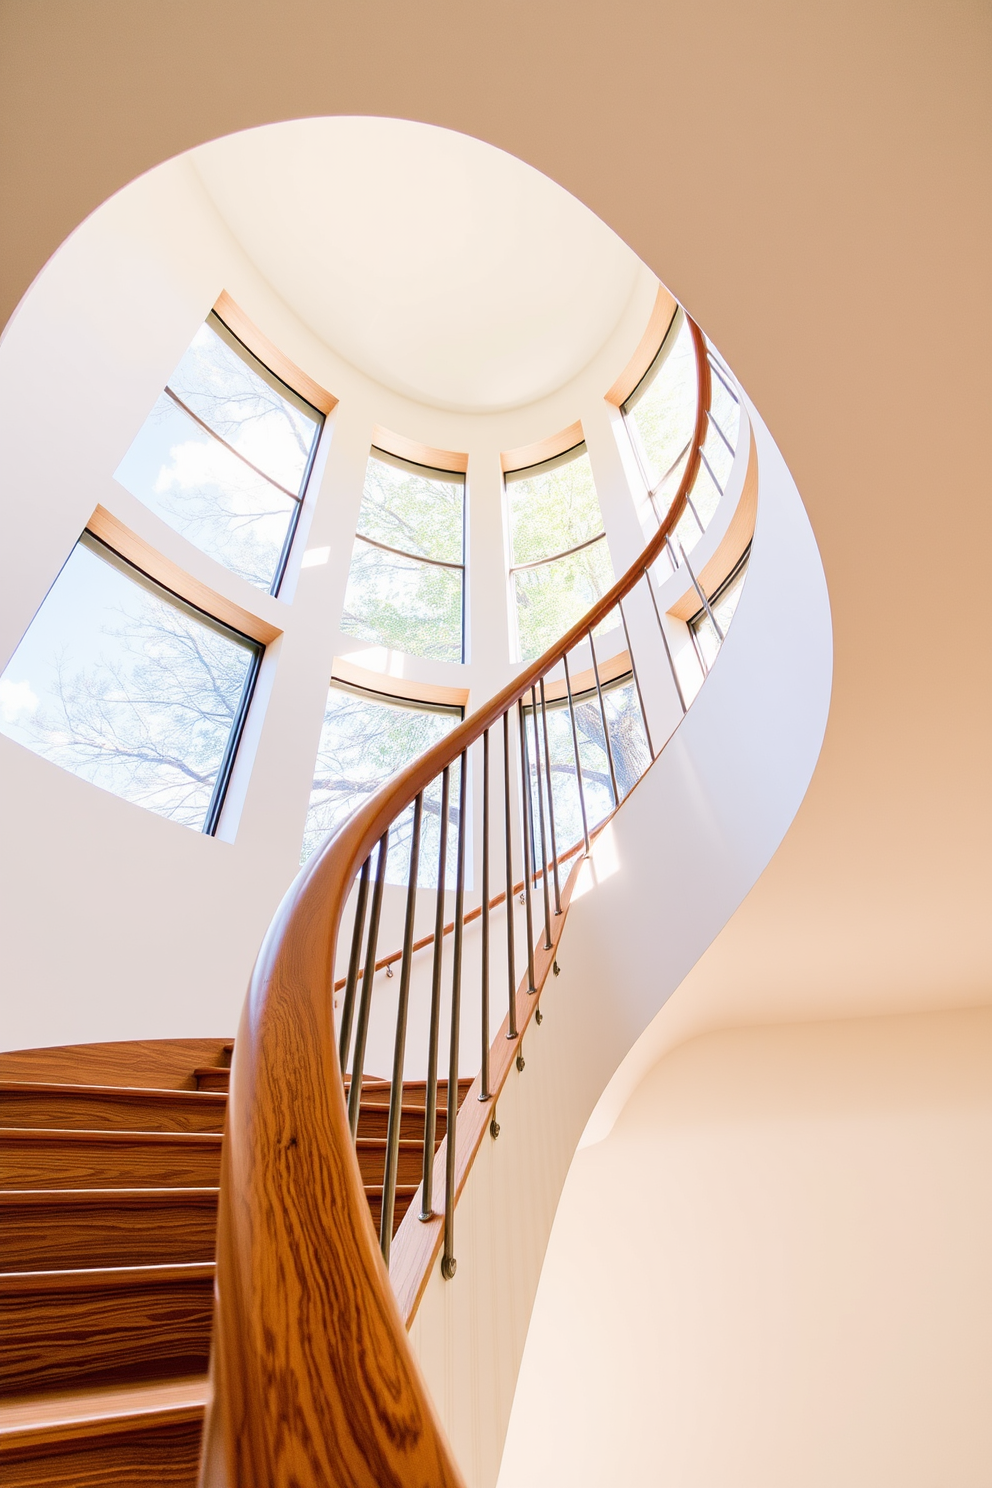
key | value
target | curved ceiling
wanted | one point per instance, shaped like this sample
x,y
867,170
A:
x,y
440,266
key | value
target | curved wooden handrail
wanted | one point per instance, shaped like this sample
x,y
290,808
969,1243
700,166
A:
x,y
314,1381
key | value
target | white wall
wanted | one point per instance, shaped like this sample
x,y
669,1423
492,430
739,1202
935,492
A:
x,y
117,923
678,858
775,1270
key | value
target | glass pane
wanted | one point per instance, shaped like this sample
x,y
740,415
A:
x,y
661,414
631,758
656,507
202,490
365,741
723,408
686,534
552,508
241,402
705,496
553,596
723,607
122,685
719,457
404,603
418,512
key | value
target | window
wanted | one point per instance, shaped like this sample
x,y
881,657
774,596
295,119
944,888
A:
x,y
225,455
723,605
366,738
628,743
660,416
405,589
560,561
131,688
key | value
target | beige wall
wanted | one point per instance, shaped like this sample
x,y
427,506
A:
x,y
775,1271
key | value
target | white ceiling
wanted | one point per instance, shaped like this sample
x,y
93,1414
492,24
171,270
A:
x,y
440,266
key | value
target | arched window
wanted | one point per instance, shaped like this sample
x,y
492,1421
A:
x,y
559,560
407,579
127,685
554,752
660,415
709,625
366,737
225,455
660,418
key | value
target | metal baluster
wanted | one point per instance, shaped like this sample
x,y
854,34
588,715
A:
x,y
602,711
719,369
348,1007
723,436
430,1095
368,977
551,802
712,472
637,684
529,853
484,999
511,969
540,812
399,1048
664,640
578,761
699,591
448,1258
692,507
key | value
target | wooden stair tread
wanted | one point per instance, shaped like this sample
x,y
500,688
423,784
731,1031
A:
x,y
71,1228
107,1232
102,1408
103,1325
47,1105
69,1157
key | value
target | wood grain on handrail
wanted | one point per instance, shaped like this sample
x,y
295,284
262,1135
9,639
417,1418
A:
x,y
314,1380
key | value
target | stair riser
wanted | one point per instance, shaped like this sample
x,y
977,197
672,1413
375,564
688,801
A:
x,y
84,1338
144,1456
213,1079
410,1167
50,1162
97,1233
109,1113
373,1121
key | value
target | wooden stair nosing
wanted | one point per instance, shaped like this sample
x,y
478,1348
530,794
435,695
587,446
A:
x,y
104,1407
99,1278
142,1434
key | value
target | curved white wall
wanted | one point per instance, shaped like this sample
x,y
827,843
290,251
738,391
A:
x,y
117,923
665,876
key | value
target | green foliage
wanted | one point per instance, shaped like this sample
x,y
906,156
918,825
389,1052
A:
x,y
404,602
364,741
552,510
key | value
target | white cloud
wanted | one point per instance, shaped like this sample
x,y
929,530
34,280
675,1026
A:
x,y
16,698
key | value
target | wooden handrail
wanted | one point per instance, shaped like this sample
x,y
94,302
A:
x,y
314,1380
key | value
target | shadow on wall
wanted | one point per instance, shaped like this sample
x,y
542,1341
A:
x,y
789,1282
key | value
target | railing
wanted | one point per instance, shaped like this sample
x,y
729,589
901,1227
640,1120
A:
x,y
314,1381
